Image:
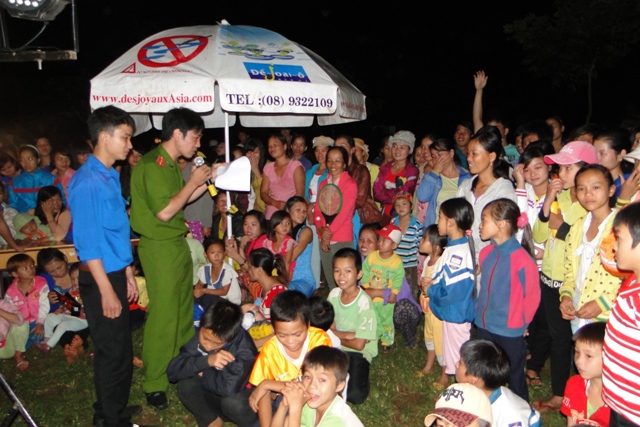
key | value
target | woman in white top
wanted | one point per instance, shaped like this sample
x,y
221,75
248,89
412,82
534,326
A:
x,y
489,177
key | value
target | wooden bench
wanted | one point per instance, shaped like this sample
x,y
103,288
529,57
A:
x,y
65,248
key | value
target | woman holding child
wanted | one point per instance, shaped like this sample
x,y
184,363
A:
x,y
66,324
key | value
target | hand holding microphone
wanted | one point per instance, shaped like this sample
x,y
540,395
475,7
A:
x,y
210,172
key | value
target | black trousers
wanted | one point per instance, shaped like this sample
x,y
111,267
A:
x,y
358,386
561,342
516,350
207,300
539,340
208,407
112,363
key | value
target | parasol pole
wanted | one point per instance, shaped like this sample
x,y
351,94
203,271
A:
x,y
227,160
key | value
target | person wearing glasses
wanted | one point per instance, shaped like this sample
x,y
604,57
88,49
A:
x,y
442,181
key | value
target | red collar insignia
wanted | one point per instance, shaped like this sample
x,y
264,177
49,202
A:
x,y
160,160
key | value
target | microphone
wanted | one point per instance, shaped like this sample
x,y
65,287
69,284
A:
x,y
199,161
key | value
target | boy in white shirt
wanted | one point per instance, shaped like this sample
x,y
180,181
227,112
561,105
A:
x,y
486,366
216,279
314,401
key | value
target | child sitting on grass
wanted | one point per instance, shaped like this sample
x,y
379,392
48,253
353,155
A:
x,y
14,333
382,276
217,279
278,240
281,357
406,311
212,369
314,401
583,402
355,322
70,317
432,245
485,365
323,316
30,294
271,273
461,405
66,323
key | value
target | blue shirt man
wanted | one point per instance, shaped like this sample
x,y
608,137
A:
x,y
99,216
107,284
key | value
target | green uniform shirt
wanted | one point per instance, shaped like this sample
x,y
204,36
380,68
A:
x,y
155,180
358,317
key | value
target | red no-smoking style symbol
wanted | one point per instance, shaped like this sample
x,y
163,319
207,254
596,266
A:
x,y
171,51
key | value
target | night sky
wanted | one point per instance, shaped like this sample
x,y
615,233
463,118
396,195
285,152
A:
x,y
414,64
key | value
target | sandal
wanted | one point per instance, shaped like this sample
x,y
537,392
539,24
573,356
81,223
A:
x,y
22,365
543,406
533,380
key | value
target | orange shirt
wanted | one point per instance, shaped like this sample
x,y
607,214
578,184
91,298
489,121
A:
x,y
273,364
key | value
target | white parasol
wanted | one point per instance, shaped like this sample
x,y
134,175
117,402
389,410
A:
x,y
224,70
267,80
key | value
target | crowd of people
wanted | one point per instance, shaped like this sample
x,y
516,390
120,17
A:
x,y
511,255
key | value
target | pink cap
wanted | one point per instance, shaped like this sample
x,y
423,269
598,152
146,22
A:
x,y
574,152
391,232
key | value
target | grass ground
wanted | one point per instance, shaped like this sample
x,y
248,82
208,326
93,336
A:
x,y
58,395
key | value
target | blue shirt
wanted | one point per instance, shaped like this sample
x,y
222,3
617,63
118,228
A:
x,y
306,163
23,189
100,222
462,157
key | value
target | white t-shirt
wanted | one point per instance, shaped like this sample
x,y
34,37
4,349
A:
x,y
335,341
313,188
228,276
509,409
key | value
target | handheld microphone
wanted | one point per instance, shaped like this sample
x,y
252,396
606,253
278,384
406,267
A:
x,y
199,161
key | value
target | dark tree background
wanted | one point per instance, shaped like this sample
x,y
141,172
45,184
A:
x,y
413,61
580,39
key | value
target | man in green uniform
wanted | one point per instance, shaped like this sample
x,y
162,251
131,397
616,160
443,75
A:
x,y
158,195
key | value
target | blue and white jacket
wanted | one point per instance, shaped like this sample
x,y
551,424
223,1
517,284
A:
x,y
451,294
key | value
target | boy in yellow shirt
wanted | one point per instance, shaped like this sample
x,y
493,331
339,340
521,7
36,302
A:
x,y
281,357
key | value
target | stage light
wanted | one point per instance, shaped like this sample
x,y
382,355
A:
x,y
34,10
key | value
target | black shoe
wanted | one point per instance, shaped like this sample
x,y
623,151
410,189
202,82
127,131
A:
x,y
128,412
157,399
